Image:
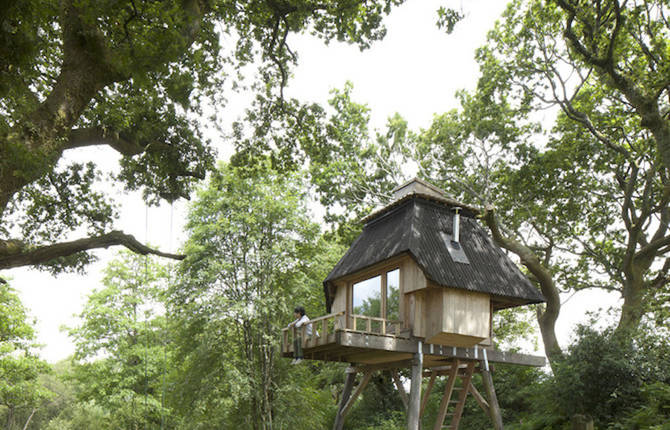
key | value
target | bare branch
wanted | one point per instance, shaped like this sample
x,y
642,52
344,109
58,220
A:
x,y
44,254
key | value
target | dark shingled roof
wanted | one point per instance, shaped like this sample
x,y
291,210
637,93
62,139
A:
x,y
413,226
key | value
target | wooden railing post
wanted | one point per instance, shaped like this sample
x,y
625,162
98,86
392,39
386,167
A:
x,y
324,331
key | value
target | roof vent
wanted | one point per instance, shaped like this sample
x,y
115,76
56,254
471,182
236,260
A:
x,y
417,186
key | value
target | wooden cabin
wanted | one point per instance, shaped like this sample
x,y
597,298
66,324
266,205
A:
x,y
422,268
418,288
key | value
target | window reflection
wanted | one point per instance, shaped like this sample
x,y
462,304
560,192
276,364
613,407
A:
x,y
367,297
393,295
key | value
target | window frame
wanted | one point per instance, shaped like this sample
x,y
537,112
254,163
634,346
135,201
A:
x,y
378,271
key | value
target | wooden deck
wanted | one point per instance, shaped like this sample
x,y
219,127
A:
x,y
382,343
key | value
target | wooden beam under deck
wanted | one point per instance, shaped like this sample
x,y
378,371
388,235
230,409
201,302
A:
x,y
435,352
364,348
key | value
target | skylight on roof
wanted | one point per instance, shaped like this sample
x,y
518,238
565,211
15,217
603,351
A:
x,y
455,249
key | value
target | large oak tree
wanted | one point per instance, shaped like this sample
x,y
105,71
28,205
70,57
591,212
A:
x,y
585,203
130,75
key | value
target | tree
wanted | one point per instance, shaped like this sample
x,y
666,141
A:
x,y
121,356
351,171
582,202
20,389
130,76
626,44
556,61
253,254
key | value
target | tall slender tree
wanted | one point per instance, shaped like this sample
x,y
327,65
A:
x,y
252,253
121,358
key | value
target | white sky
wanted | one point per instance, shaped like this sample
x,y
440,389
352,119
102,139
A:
x,y
415,71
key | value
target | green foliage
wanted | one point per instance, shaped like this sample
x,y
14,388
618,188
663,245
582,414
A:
x,y
20,368
379,407
121,356
619,382
351,172
604,373
137,78
82,416
654,413
253,254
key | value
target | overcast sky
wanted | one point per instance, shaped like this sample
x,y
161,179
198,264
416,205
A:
x,y
414,71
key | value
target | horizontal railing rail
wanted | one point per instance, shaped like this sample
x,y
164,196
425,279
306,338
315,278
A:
x,y
324,328
374,325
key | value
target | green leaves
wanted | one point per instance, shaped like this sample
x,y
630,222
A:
x,y
253,254
19,366
121,353
137,77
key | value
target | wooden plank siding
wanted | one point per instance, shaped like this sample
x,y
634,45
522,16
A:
x,y
456,317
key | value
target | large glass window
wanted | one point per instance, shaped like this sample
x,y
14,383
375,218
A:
x,y
393,295
367,297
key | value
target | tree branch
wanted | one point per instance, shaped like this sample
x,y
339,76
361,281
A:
x,y
547,318
44,254
653,247
93,136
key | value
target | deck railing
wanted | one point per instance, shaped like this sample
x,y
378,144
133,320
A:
x,y
323,331
324,328
374,325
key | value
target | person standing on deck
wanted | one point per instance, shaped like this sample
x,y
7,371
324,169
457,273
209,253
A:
x,y
300,320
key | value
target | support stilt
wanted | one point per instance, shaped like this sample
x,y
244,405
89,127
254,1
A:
x,y
415,391
346,392
480,399
416,403
494,408
359,390
400,388
426,393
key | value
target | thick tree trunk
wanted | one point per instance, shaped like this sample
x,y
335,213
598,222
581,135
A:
x,y
546,317
631,311
633,295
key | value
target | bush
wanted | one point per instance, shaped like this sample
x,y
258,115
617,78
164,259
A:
x,y
608,375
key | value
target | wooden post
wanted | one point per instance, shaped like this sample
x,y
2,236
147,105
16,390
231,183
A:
x,y
346,392
345,409
426,394
494,408
401,389
413,421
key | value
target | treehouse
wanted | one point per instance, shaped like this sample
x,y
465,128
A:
x,y
421,282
